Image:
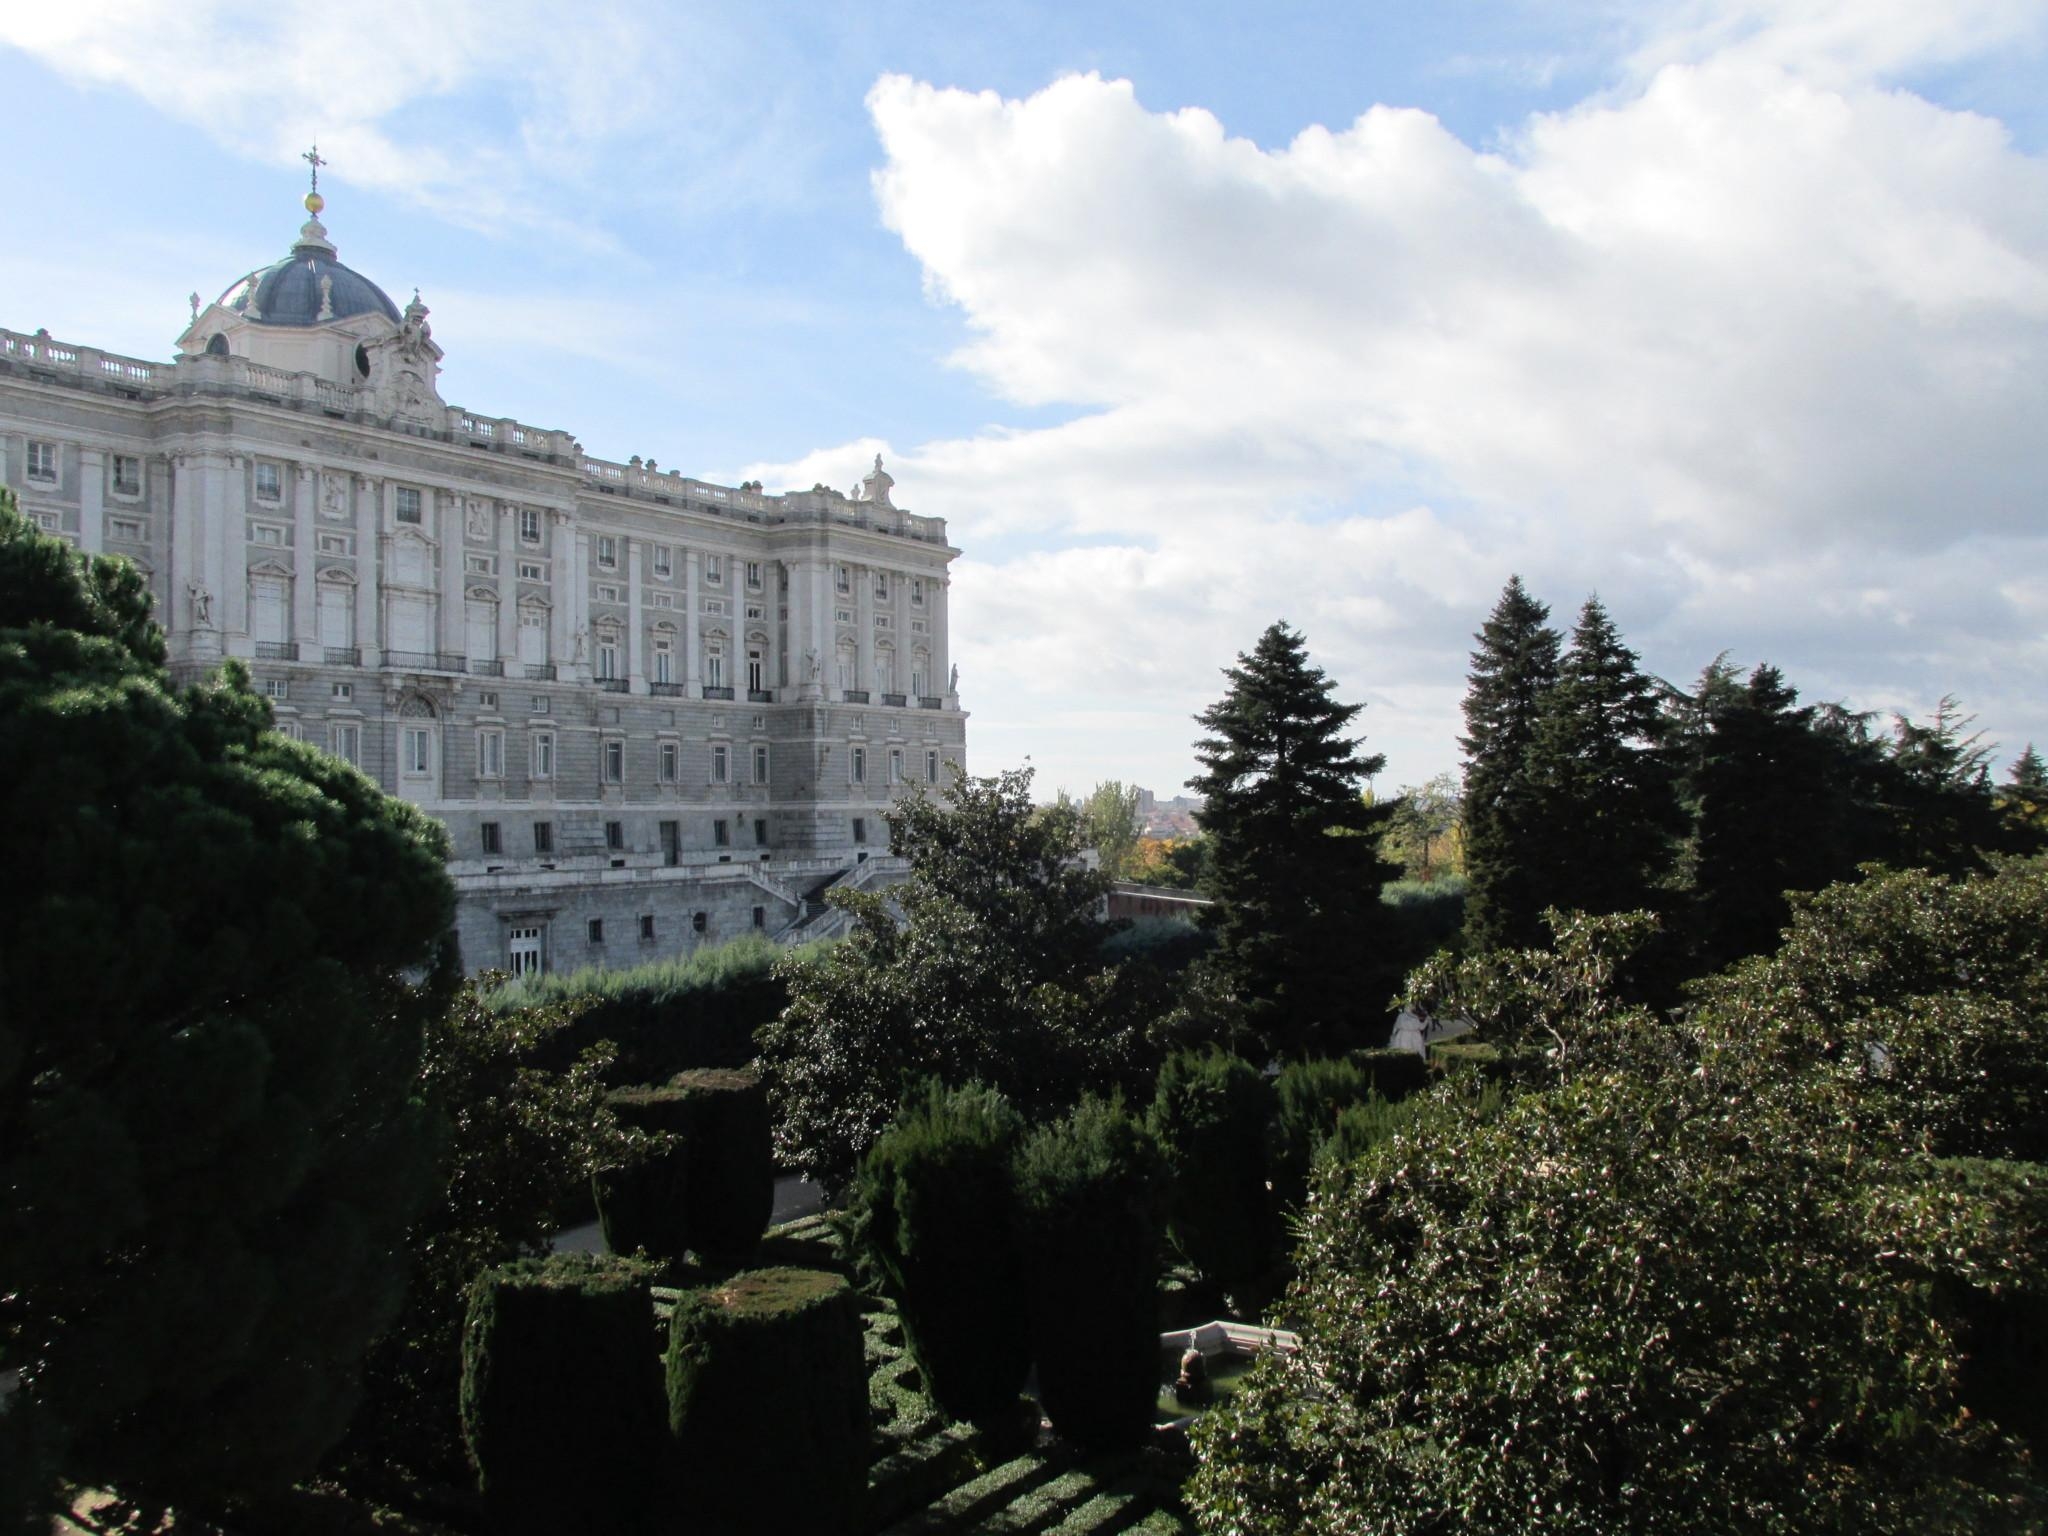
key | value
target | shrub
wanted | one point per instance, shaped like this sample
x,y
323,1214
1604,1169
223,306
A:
x,y
561,1395
1393,1074
643,1199
670,1016
768,1402
1209,1116
934,1217
723,1121
1091,1200
1308,1096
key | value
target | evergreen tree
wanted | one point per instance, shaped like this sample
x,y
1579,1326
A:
x,y
1944,814
2025,796
1512,673
1295,870
208,1049
1605,814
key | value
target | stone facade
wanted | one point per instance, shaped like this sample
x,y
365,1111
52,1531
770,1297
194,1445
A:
x,y
670,709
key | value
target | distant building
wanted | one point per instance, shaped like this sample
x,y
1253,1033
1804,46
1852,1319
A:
x,y
1168,818
653,712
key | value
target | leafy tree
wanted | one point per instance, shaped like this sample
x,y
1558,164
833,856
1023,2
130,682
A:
x,y
208,1048
1179,863
1425,830
1295,870
1109,825
993,975
1512,674
1602,789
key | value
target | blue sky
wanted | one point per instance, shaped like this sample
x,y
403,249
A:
x,y
1187,318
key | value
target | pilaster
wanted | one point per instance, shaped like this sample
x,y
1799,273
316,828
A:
x,y
92,488
693,626
508,586
305,563
636,640
447,528
369,640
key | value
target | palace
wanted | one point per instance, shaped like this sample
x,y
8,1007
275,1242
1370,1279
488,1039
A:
x,y
652,712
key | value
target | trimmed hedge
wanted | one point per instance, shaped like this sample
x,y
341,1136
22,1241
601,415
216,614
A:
x,y
666,1017
561,1395
1393,1074
768,1403
1209,1116
644,1203
722,1117
1091,1205
1308,1096
934,1205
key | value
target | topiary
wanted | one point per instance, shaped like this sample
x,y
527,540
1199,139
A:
x,y
768,1402
722,1117
643,1201
933,1217
1091,1204
561,1395
1209,1116
1308,1096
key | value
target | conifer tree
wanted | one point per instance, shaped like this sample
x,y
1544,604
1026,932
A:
x,y
1295,868
1512,673
2025,796
1605,814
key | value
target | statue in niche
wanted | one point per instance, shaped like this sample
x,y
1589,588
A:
x,y
202,605
479,519
953,682
334,496
582,646
811,666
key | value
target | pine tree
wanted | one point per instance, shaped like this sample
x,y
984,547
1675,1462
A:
x,y
1512,673
1295,866
2025,796
1605,814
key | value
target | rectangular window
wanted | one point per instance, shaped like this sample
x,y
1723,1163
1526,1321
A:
x,y
714,666
756,611
671,843
543,837
127,475
269,482
419,750
760,917
537,705
529,525
760,831
126,528
487,700
335,544
842,579
276,688
607,658
342,692
895,765
860,829
857,763
42,462
607,594
490,754
615,762
917,591
346,743
760,763
671,762
607,551
757,670
664,560
881,586
266,533
754,575
714,569
647,927
529,570
597,930
664,661
492,841
408,504
721,833
292,729
481,565
931,767
543,754
524,951
721,763
615,836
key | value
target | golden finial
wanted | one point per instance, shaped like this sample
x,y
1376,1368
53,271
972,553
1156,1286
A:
x,y
314,201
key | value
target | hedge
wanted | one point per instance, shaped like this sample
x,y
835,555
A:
x,y
768,1403
1308,1096
1392,1073
1091,1202
934,1206
723,1120
561,1395
644,1203
1209,1115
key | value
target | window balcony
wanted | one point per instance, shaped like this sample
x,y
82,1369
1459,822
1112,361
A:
x,y
481,668
425,661
613,684
540,671
928,701
896,700
853,695
760,695
341,655
669,690
277,650
717,693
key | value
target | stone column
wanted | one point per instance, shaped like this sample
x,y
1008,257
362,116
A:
x,y
561,574
864,627
368,640
454,569
693,632
305,564
508,588
92,488
636,679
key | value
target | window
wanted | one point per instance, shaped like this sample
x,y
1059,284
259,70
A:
x,y
481,565
881,586
486,700
860,829
699,921
857,762
754,575
346,743
917,676
543,837
490,754
714,665
127,475
126,528
721,833
917,591
336,611
335,544
607,551
543,754
42,462
607,657
269,603
714,569
523,951
721,763
342,692
529,525
842,579
276,688
646,927
615,762
895,765
931,766
607,594
760,831
266,533
664,560
408,504
756,611
487,834
291,729
671,843
533,645
664,661
760,763
760,917
530,570
671,762
269,482
597,930
538,704
418,755
615,836
757,669
480,629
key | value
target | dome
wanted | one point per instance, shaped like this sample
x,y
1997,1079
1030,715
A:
x,y
309,287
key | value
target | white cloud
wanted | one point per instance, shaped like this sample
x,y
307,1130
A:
x,y
1757,345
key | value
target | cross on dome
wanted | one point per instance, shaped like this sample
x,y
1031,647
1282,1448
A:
x,y
314,201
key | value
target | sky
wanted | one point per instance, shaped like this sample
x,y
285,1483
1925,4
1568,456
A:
x,y
1187,318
